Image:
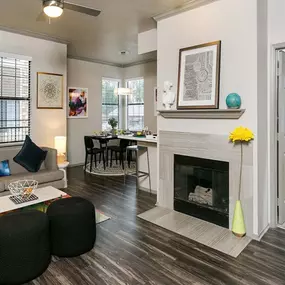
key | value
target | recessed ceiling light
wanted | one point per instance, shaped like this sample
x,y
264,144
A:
x,y
124,52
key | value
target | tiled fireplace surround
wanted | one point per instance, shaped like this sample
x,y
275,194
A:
x,y
207,146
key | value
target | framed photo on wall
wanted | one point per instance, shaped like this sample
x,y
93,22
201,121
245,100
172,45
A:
x,y
77,102
49,91
199,76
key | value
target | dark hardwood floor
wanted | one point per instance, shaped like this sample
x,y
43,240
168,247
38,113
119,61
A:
x,y
129,250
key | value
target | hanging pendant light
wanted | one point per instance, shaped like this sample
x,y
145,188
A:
x,y
123,91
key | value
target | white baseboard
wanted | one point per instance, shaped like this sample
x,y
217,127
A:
x,y
76,164
259,237
147,190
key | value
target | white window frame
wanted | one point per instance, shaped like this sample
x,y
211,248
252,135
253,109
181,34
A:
x,y
119,85
138,104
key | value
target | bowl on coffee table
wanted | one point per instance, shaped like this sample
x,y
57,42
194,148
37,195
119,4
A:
x,y
24,187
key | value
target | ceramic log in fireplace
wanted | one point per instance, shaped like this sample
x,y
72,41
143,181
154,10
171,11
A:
x,y
201,189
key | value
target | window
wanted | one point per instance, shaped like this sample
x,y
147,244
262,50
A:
x,y
110,102
136,104
14,99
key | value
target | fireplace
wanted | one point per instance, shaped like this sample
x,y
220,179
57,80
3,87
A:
x,y
201,188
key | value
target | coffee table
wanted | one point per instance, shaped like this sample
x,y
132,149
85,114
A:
x,y
45,195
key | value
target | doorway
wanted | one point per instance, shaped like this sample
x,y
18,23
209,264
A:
x,y
280,84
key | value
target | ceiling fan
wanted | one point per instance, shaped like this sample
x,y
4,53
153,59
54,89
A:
x,y
54,9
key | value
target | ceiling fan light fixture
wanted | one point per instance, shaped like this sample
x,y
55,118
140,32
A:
x,y
53,8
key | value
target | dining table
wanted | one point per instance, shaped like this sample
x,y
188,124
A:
x,y
103,140
150,142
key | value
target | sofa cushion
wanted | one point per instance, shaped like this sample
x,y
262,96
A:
x,y
4,193
2,186
42,176
30,156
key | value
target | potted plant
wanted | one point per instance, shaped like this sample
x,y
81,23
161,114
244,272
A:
x,y
240,136
113,123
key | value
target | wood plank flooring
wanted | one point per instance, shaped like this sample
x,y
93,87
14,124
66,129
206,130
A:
x,y
130,250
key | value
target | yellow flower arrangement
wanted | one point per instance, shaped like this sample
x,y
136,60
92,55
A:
x,y
241,134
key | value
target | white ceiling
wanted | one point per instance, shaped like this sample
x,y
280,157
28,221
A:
x,y
97,38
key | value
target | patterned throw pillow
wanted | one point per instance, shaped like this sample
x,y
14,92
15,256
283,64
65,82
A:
x,y
4,168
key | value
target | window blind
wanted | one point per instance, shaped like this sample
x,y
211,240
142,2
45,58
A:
x,y
110,102
15,89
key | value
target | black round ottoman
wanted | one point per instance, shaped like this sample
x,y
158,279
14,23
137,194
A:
x,y
72,226
24,246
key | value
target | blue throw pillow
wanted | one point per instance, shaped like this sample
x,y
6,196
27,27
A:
x,y
30,156
4,168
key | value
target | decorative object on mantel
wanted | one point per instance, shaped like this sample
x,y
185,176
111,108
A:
x,y
77,102
233,101
202,114
240,136
168,95
50,91
199,76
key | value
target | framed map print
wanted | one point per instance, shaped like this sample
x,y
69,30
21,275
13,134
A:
x,y
199,76
50,91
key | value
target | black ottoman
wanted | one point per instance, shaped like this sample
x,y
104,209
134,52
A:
x,y
24,246
72,226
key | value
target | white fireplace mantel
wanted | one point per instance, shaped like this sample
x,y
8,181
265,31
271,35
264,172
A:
x,y
207,146
202,114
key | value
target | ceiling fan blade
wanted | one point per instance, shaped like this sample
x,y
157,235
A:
x,y
82,9
42,17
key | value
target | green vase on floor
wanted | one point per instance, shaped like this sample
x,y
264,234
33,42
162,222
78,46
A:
x,y
238,227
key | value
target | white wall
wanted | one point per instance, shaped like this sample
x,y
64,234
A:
x,y
147,41
262,190
276,21
235,23
49,57
88,75
222,21
149,72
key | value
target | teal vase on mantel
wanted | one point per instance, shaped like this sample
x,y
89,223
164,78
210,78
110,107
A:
x,y
233,101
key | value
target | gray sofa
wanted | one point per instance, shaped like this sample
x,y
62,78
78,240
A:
x,y
48,175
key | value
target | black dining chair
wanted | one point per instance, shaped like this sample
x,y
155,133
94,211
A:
x,y
93,151
118,149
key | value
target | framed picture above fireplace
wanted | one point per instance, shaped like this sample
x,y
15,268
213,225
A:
x,y
199,76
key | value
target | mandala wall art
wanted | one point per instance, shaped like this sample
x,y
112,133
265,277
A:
x,y
50,91
199,76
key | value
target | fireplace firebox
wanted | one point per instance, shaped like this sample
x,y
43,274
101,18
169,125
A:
x,y
201,188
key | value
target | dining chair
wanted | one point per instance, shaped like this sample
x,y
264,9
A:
x,y
118,149
92,151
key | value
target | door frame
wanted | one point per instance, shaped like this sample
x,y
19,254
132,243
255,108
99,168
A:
x,y
272,135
